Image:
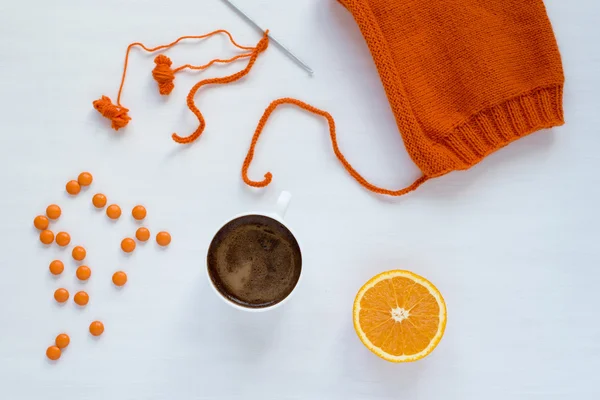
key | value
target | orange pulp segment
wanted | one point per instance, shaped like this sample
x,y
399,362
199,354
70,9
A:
x,y
400,316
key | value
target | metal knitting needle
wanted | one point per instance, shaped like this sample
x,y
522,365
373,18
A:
x,y
278,43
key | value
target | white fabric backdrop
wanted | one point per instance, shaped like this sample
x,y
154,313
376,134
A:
x,y
512,243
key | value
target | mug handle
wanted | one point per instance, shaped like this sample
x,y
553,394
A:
x,y
283,203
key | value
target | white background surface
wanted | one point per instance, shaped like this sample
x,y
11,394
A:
x,y
513,243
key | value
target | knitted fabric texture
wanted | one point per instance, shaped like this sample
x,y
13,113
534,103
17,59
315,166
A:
x,y
463,77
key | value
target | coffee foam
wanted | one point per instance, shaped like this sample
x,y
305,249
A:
x,y
255,261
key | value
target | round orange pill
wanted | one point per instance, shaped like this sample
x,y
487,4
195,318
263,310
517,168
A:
x,y
53,353
81,298
83,273
53,211
119,278
78,253
62,340
73,187
47,237
99,200
63,239
41,222
61,295
96,328
163,238
142,234
113,211
85,179
56,267
128,245
139,212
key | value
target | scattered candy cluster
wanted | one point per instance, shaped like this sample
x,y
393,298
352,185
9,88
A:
x,y
61,342
83,273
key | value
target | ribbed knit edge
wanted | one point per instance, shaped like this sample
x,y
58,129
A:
x,y
499,125
471,141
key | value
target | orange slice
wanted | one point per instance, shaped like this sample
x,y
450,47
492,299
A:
x,y
400,316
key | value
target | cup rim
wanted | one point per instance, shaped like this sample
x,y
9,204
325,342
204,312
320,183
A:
x,y
277,218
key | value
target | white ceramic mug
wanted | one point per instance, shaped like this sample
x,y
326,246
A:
x,y
278,215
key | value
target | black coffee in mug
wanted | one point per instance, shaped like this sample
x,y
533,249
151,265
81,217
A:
x,y
254,261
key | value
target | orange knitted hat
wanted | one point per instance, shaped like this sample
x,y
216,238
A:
x,y
463,77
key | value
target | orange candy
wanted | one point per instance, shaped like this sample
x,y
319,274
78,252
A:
x,y
63,239
56,267
78,253
41,222
142,234
163,238
73,188
62,340
139,212
96,328
83,273
128,245
53,211
85,179
53,353
61,295
113,211
47,237
99,200
119,278
81,298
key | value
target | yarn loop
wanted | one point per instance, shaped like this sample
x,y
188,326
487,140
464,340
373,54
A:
x,y
260,47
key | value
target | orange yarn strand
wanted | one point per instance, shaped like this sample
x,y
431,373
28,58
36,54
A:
x,y
260,47
162,73
201,67
307,107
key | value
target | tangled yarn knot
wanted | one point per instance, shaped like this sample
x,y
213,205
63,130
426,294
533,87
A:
x,y
163,74
117,114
